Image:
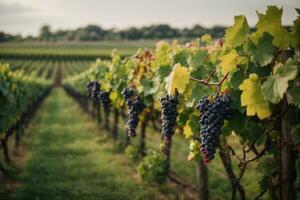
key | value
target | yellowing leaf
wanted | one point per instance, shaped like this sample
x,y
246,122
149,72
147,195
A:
x,y
253,98
105,87
187,130
117,101
162,53
113,96
178,79
230,61
236,34
206,38
191,156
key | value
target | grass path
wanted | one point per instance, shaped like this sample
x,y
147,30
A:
x,y
67,160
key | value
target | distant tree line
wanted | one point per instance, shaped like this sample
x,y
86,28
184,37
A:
x,y
4,37
96,33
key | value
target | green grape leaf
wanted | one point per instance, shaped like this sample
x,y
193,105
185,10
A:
x,y
237,79
147,86
262,52
252,97
198,62
237,33
260,71
148,100
181,57
294,96
296,32
198,91
271,23
231,125
236,100
194,123
184,115
164,71
277,83
230,61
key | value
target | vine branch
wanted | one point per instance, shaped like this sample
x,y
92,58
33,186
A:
x,y
211,84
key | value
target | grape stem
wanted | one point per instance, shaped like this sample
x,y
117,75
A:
x,y
211,84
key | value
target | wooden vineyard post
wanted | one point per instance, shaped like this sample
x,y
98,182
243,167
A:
x,y
94,109
127,139
116,122
107,111
287,157
98,108
143,136
167,152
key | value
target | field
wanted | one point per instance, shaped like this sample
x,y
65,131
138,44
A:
x,y
208,119
90,49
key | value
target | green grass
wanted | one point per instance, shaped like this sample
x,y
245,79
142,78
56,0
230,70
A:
x,y
103,48
67,160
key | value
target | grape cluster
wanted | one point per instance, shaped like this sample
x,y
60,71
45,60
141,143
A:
x,y
135,107
93,89
169,115
214,110
127,94
103,96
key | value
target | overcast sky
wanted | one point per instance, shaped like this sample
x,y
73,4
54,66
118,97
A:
x,y
27,16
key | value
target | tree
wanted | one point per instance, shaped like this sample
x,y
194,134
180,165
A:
x,y
45,33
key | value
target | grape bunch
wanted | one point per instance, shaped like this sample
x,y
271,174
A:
x,y
135,107
169,115
103,96
214,110
127,94
93,89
